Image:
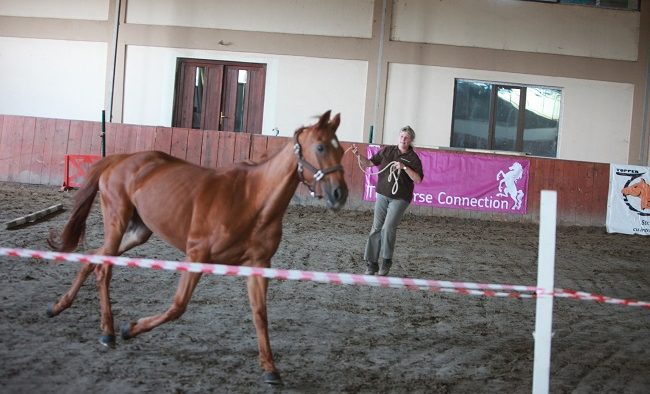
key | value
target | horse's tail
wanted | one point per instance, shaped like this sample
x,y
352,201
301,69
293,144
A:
x,y
75,228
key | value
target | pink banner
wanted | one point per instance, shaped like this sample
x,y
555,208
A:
x,y
462,181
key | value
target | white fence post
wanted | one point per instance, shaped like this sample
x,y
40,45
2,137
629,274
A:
x,y
544,305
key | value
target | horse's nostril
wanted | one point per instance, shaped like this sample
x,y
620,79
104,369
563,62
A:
x,y
340,194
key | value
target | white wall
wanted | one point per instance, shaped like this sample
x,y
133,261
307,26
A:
x,y
594,124
342,18
52,78
64,9
309,86
297,88
520,26
67,79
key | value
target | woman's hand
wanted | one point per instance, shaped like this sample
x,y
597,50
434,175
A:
x,y
355,150
363,161
409,171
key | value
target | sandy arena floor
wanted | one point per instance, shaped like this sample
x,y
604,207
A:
x,y
329,338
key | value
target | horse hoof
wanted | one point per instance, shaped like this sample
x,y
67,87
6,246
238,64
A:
x,y
271,378
107,340
125,330
50,310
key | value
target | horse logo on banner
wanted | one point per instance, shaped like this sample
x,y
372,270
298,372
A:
x,y
508,184
640,189
628,200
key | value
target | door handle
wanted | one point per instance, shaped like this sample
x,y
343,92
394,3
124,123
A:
x,y
221,118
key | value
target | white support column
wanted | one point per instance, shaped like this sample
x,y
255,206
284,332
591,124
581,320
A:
x,y
544,306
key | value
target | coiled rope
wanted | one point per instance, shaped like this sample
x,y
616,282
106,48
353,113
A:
x,y
393,168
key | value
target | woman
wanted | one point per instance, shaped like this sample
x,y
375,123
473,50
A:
x,y
392,199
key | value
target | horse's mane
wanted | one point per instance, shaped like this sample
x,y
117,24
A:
x,y
518,170
265,157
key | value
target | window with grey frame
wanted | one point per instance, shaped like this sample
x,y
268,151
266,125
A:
x,y
631,5
506,117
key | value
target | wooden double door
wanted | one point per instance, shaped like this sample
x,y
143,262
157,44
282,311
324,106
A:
x,y
219,95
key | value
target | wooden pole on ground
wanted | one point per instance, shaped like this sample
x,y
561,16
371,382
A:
x,y
32,217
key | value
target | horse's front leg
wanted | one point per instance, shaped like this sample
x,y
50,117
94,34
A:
x,y
257,289
66,300
186,287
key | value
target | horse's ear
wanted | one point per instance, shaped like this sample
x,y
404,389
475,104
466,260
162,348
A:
x,y
336,121
324,118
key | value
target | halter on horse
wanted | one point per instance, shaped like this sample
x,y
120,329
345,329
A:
x,y
229,215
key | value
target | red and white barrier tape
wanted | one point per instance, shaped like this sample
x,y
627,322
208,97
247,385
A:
x,y
469,288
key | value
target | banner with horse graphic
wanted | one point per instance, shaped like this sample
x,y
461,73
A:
x,y
628,202
462,181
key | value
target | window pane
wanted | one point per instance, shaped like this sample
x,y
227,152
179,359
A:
x,y
199,83
626,4
471,118
242,80
507,115
622,4
581,2
542,121
471,115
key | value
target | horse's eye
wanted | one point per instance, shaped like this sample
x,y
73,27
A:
x,y
320,148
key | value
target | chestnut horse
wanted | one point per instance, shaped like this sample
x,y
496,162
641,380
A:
x,y
230,215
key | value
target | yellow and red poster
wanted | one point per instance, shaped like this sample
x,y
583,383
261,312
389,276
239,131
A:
x,y
628,203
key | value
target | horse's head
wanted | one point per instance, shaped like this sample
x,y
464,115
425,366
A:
x,y
319,160
517,170
636,189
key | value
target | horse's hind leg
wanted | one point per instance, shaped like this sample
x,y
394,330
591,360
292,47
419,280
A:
x,y
136,234
119,238
103,274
